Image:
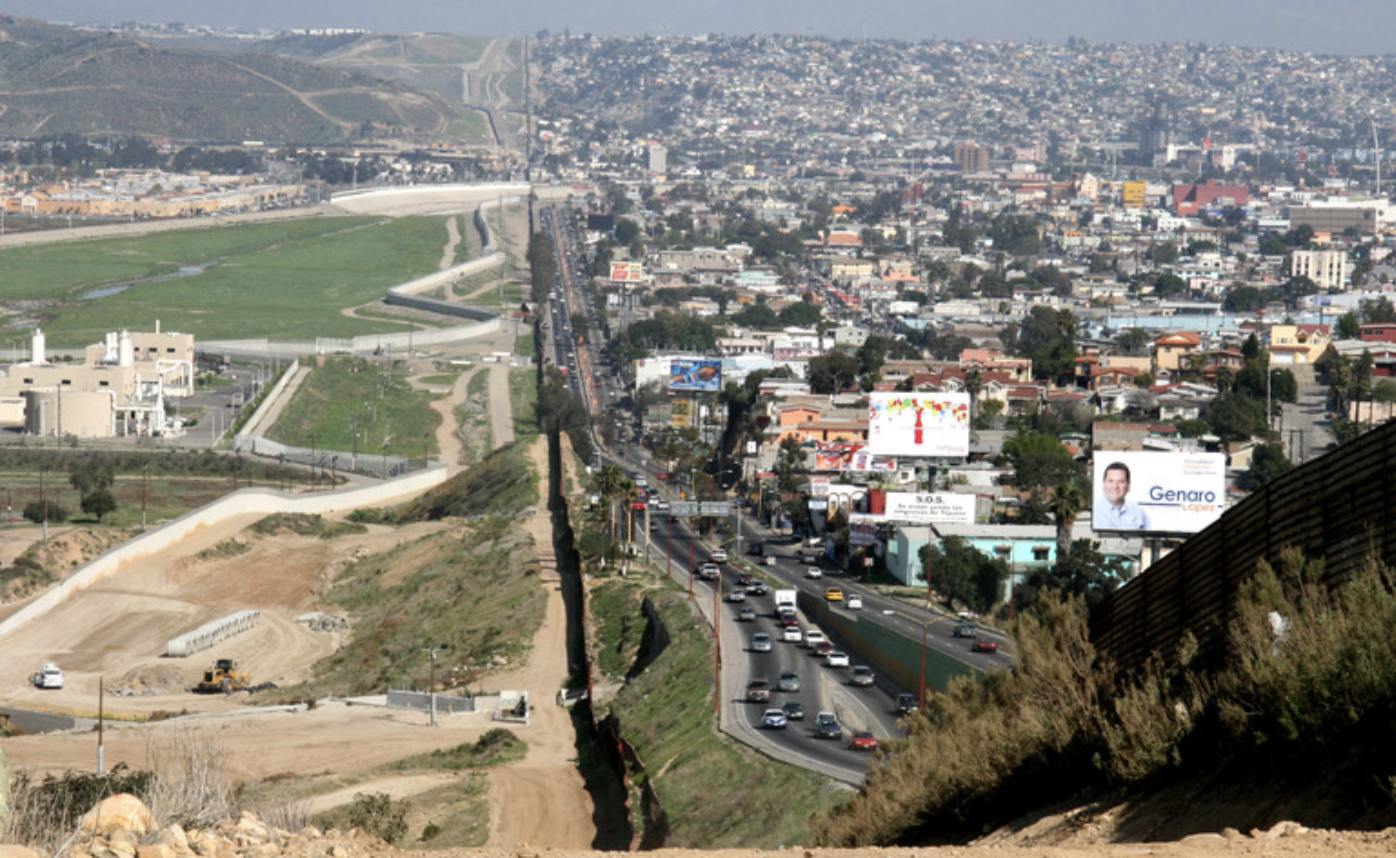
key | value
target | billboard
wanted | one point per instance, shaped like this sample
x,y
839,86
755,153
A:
x,y
627,272
1157,492
681,413
701,375
930,509
849,457
918,424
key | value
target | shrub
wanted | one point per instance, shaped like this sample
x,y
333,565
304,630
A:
x,y
34,511
376,814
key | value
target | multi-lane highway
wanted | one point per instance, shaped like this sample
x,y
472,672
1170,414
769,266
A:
x,y
671,548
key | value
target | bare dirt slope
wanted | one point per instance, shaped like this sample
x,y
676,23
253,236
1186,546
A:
x,y
543,801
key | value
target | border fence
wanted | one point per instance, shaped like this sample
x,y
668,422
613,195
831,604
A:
x,y
1340,508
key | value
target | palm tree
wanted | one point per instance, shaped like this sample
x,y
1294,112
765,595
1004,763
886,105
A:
x,y
612,484
1068,500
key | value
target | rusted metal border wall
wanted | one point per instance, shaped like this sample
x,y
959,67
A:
x,y
1340,507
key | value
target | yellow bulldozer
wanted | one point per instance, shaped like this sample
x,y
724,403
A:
x,y
223,677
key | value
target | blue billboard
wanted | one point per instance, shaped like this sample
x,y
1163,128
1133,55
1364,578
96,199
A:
x,y
700,375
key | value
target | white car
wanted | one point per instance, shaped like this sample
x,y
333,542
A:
x,y
814,572
719,556
49,676
854,603
760,642
791,634
837,658
812,637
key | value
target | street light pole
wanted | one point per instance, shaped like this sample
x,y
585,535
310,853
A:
x,y
431,683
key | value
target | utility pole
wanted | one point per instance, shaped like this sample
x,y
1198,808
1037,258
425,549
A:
x,y
431,683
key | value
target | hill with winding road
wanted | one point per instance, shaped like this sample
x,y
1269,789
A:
x,y
57,80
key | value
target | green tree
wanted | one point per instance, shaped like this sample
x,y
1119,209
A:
x,y
1134,341
801,314
1348,327
1084,571
1068,499
1267,462
758,316
1040,460
1164,253
1235,416
1048,337
963,574
833,372
1374,310
99,503
90,475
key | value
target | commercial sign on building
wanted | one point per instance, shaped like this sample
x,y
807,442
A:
x,y
1158,492
918,424
700,375
1132,194
930,508
849,457
681,413
819,487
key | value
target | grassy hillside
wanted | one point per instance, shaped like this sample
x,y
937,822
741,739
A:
x,y
58,79
666,711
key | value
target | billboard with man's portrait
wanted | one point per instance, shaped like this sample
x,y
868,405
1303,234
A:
x,y
1157,492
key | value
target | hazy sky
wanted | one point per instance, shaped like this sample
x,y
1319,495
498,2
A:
x,y
1333,26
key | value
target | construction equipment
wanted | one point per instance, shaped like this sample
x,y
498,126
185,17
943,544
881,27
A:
x,y
223,677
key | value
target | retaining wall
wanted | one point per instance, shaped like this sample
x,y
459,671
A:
x,y
253,501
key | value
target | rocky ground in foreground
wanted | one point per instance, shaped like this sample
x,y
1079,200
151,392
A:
x,y
122,827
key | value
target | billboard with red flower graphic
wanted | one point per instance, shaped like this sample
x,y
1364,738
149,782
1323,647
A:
x,y
918,424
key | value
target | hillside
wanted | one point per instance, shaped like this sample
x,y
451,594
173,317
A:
x,y
56,80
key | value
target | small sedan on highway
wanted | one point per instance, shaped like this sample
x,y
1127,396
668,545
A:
x,y
734,596
789,681
774,719
861,675
794,710
747,614
760,642
814,572
826,726
836,658
986,645
862,740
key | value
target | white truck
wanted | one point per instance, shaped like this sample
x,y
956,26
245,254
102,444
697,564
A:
x,y
784,599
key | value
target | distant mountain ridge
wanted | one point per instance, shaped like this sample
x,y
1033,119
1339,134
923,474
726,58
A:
x,y
56,79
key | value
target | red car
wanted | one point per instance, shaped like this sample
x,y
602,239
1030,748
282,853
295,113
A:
x,y
823,648
862,740
986,645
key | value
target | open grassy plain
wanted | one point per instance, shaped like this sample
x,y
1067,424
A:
x,y
289,279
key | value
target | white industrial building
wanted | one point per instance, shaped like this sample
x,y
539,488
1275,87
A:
x,y
119,389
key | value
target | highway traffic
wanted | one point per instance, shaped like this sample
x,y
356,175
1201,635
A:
x,y
794,681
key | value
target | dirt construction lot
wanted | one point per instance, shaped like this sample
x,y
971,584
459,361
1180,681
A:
x,y
117,631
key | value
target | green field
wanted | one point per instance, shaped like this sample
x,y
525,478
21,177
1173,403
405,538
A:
x,y
345,397
288,279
